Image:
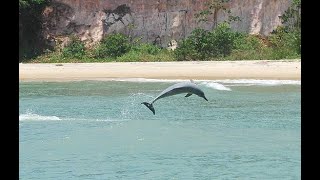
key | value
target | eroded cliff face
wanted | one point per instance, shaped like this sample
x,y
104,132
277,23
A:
x,y
157,21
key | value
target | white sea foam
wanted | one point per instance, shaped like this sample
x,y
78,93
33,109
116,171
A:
x,y
250,82
37,117
216,86
244,82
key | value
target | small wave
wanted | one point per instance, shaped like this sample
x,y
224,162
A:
x,y
251,82
37,117
147,80
110,120
216,86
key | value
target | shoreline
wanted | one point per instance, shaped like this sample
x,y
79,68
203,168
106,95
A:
x,y
197,70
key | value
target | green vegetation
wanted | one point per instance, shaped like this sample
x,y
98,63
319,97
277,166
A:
x,y
113,46
74,49
224,44
202,44
146,52
220,43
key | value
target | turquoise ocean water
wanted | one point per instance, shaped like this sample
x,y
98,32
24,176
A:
x,y
249,129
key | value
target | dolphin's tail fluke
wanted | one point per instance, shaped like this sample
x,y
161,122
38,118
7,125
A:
x,y
150,106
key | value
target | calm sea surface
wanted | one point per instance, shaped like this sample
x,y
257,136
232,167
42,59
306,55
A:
x,y
249,129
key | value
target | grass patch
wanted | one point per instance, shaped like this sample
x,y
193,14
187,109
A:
x,y
132,56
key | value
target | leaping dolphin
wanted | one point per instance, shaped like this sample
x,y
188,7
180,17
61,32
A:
x,y
183,87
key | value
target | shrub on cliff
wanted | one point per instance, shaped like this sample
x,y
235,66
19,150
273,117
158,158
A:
x,y
248,42
186,51
288,36
203,44
74,49
113,45
223,39
285,43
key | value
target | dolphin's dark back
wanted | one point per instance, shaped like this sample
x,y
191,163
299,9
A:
x,y
183,87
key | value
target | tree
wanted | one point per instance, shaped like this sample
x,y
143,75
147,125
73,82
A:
x,y
292,16
289,33
213,8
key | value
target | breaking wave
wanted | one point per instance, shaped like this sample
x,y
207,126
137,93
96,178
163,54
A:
x,y
216,86
37,117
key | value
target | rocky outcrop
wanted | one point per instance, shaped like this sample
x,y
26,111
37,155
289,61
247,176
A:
x,y
157,21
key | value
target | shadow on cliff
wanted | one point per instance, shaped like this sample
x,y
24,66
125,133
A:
x,y
31,42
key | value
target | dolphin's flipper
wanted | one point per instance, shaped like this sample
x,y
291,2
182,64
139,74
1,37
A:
x,y
150,106
189,94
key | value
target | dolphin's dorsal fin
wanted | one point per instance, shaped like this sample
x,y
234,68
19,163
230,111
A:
x,y
189,94
191,81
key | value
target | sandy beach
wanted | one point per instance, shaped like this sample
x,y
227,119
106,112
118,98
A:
x,y
201,70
